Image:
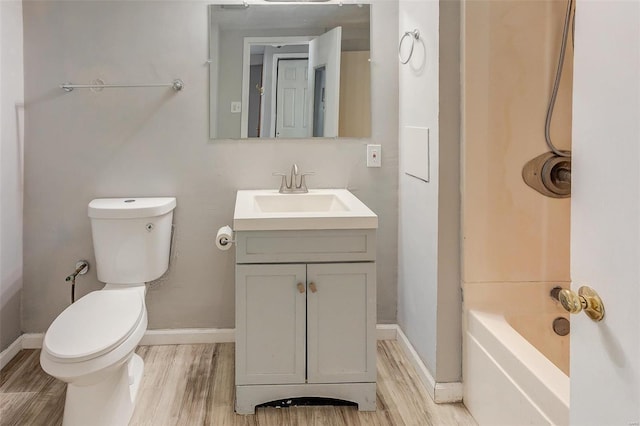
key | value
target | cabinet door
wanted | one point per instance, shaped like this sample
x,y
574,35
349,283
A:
x,y
341,322
270,324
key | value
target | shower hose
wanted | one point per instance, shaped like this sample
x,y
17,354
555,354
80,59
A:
x,y
556,84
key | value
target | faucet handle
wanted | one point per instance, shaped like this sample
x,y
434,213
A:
x,y
302,175
303,184
283,182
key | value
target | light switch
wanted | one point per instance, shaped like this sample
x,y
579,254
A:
x,y
236,107
374,155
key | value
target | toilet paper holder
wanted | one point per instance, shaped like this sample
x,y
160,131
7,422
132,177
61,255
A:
x,y
225,237
224,241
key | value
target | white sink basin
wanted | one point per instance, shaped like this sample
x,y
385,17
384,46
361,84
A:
x,y
289,203
318,209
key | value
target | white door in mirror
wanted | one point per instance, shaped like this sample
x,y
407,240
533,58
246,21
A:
x,y
374,155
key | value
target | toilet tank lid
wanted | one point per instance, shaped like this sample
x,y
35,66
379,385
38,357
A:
x,y
127,208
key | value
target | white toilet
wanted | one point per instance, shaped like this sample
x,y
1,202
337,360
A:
x,y
91,344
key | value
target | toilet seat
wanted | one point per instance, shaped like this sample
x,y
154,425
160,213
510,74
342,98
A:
x,y
94,325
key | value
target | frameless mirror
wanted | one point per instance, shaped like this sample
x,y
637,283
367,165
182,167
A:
x,y
290,71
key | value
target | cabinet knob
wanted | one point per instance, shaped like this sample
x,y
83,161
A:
x,y
312,287
300,287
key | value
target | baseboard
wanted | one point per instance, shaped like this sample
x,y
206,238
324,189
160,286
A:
x,y
177,336
8,354
440,392
387,332
32,340
188,336
192,336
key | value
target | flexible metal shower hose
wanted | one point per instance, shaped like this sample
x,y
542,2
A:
x,y
556,85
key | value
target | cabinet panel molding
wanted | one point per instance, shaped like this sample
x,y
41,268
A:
x,y
350,245
341,323
270,324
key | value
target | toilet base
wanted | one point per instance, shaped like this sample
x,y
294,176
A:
x,y
109,402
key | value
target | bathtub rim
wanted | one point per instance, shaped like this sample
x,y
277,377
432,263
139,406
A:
x,y
539,380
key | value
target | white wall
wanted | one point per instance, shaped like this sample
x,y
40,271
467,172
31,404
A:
x,y
136,142
605,212
11,131
428,259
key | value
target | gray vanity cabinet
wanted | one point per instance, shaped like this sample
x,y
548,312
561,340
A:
x,y
305,329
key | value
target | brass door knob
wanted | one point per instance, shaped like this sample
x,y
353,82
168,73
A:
x,y
586,300
312,287
300,287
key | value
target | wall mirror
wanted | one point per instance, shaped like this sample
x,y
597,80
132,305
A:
x,y
290,71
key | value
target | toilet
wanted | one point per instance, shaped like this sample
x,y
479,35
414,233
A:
x,y
91,344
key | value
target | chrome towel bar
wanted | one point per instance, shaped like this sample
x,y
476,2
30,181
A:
x,y
176,85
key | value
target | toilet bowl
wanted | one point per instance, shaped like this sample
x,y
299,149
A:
x,y
91,344
91,347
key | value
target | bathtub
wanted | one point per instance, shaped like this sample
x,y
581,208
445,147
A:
x,y
507,381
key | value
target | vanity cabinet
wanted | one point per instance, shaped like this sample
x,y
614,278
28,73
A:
x,y
305,316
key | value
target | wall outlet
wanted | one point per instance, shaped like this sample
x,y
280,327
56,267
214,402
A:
x,y
374,155
236,107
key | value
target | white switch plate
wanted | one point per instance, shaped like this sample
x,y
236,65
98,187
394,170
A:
x,y
374,155
236,107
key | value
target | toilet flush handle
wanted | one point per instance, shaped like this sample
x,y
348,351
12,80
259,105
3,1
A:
x,y
587,300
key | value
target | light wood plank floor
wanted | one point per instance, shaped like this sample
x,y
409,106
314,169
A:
x,y
193,385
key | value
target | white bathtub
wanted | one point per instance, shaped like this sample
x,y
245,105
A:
x,y
507,381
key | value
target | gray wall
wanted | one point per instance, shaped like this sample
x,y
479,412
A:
x,y
11,132
418,200
152,142
429,303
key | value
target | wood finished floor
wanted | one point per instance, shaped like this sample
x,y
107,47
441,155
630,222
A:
x,y
193,385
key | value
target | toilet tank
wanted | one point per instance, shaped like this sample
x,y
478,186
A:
x,y
131,238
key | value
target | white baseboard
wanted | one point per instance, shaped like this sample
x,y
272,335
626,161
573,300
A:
x,y
188,336
448,392
8,354
32,340
440,392
387,332
177,336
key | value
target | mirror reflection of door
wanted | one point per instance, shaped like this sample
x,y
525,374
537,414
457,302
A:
x,y
292,99
255,100
292,86
320,82
324,62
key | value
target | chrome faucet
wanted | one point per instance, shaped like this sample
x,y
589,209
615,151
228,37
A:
x,y
296,183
